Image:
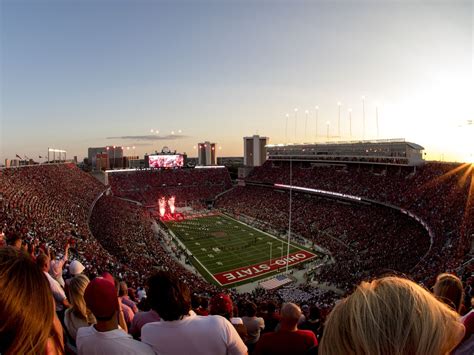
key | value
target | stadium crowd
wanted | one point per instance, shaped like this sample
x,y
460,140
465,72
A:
x,y
187,185
439,193
357,235
115,289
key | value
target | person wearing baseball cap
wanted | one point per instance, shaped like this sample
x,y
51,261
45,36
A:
x,y
221,305
76,267
106,337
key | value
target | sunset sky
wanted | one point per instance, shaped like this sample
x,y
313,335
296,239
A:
x,y
87,73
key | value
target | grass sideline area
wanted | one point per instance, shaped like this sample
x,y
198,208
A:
x,y
230,253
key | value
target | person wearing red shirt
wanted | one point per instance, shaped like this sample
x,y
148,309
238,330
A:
x,y
288,339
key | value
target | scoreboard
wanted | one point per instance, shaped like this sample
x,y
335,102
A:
x,y
169,161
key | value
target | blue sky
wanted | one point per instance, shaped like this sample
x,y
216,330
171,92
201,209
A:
x,y
76,72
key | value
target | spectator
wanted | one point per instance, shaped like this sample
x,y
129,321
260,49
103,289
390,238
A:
x,y
15,240
221,304
253,324
77,316
271,317
313,322
388,316
125,310
288,339
57,264
142,318
28,322
105,337
141,293
59,295
125,299
180,330
76,268
448,289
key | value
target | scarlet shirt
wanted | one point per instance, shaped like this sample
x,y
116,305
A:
x,y
285,342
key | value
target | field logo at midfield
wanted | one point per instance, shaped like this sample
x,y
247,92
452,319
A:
x,y
248,272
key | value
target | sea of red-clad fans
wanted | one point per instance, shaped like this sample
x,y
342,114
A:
x,y
187,185
50,204
358,236
441,194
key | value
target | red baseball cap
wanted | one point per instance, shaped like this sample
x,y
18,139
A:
x,y
220,304
108,276
101,298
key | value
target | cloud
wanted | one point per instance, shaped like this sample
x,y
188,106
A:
x,y
141,144
151,137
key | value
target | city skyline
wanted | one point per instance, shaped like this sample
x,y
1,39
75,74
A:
x,y
94,73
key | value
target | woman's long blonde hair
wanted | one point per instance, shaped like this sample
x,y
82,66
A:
x,y
77,287
391,316
26,306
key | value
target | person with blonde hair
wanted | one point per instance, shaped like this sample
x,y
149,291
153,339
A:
x,y
28,321
448,289
78,315
391,316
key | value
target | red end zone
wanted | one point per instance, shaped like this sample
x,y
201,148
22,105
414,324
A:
x,y
248,272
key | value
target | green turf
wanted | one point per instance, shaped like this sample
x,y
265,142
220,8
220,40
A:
x,y
221,243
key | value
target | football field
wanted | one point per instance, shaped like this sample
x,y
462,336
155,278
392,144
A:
x,y
228,252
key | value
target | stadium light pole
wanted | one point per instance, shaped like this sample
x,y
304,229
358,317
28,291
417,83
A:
x,y
296,121
113,165
286,128
316,110
377,119
327,130
339,119
363,117
306,125
350,123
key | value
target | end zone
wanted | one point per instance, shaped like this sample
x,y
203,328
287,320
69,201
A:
x,y
248,272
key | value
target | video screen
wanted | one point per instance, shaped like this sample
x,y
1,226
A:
x,y
165,161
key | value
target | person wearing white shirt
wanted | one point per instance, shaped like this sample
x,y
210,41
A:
x,y
180,330
106,337
59,295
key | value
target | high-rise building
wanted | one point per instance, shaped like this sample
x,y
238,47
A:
x,y
255,153
207,153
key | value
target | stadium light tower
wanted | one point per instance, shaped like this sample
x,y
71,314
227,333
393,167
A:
x,y
363,117
339,119
286,128
306,124
296,121
377,118
317,111
327,130
350,123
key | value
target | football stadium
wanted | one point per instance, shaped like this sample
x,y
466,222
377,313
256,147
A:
x,y
236,177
